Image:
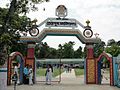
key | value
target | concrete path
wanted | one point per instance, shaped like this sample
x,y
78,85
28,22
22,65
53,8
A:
x,y
68,74
70,78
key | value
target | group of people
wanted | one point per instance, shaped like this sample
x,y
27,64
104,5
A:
x,y
28,75
68,69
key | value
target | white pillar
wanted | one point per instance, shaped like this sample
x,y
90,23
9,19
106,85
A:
x,y
3,78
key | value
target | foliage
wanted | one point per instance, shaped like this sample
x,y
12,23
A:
x,y
56,72
2,58
64,51
20,47
78,53
68,51
110,42
11,23
8,35
42,50
114,50
79,72
41,72
99,48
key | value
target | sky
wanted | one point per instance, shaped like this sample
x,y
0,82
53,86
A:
x,y
104,16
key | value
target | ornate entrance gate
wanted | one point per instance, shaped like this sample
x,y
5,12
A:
x,y
62,26
15,58
98,68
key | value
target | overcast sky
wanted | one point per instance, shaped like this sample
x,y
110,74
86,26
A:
x,y
103,14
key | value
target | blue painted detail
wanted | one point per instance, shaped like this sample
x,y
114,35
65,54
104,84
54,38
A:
x,y
21,68
3,69
115,68
99,72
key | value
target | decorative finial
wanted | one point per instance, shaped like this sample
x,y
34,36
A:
x,y
88,22
96,35
88,33
61,11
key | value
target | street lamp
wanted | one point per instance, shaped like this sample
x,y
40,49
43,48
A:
x,y
61,47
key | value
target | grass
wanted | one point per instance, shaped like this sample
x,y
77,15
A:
x,y
57,72
79,72
41,72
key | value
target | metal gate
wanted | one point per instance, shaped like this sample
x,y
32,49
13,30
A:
x,y
56,64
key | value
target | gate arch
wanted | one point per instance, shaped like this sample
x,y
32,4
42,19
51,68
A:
x,y
90,60
21,61
63,27
98,67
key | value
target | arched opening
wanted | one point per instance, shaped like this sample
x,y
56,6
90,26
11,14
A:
x,y
16,61
70,69
104,69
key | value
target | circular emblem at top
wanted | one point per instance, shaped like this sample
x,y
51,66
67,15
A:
x,y
61,11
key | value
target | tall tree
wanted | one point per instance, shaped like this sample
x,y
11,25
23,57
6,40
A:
x,y
9,22
78,53
8,31
99,48
68,51
114,50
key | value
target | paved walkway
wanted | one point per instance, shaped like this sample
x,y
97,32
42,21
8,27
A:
x,y
69,82
70,78
68,74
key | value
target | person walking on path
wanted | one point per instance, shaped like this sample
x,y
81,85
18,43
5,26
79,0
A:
x,y
48,74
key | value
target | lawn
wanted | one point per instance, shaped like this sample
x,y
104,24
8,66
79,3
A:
x,y
56,72
41,72
79,72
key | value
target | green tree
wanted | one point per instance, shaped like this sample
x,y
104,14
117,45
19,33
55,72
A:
x,y
114,50
68,51
99,48
42,50
9,25
10,22
78,53
110,42
20,47
52,53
